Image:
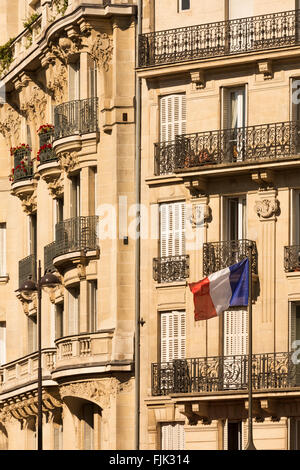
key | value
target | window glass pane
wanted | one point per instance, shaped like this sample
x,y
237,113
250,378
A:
x,y
184,4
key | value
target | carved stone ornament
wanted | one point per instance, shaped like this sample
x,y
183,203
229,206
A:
x,y
33,103
99,392
201,214
55,186
24,406
68,161
101,50
29,203
267,208
10,123
57,82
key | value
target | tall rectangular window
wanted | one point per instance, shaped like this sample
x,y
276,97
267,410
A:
x,y
32,234
235,218
32,334
3,270
75,196
73,310
172,229
92,70
233,435
172,336
172,116
294,334
74,81
2,343
172,436
59,316
92,306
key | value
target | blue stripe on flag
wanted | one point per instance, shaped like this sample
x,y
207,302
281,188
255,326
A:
x,y
239,282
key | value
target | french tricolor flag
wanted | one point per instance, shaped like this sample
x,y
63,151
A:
x,y
221,290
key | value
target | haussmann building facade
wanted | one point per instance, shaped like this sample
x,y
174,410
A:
x,y
196,118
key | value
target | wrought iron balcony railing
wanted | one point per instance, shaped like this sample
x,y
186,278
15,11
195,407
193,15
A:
x,y
292,258
220,255
171,268
76,118
27,269
228,146
225,373
23,167
256,33
49,254
76,234
46,152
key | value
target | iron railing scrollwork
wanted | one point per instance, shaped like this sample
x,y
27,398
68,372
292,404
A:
x,y
220,255
76,234
221,38
171,268
228,146
76,118
27,269
224,373
23,167
292,258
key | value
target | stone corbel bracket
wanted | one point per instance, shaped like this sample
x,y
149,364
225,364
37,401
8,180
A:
x,y
264,179
198,79
265,68
196,412
196,186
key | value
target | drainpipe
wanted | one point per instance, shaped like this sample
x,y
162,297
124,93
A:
x,y
138,241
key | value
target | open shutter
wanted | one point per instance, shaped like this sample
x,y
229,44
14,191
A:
x,y
225,108
172,116
2,249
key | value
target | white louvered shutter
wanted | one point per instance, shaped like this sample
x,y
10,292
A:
x,y
172,229
2,343
172,436
173,336
2,249
172,116
235,332
225,435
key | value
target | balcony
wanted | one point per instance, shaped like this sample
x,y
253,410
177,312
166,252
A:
x,y
270,371
23,372
76,117
27,269
220,255
46,153
86,351
171,268
49,254
228,147
224,38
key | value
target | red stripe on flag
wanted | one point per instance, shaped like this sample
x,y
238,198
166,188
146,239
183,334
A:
x,y
204,307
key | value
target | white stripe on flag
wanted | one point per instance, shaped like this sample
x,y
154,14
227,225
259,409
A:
x,y
220,290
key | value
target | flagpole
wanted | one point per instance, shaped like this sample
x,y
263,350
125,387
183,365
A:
x,y
250,444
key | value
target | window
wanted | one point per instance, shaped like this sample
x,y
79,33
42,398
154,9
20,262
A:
x,y
184,5
73,310
294,431
90,426
32,334
57,431
74,81
235,345
2,343
3,249
75,196
172,336
32,234
172,436
238,9
92,79
92,306
59,315
294,334
172,116
93,190
233,116
236,218
233,435
172,229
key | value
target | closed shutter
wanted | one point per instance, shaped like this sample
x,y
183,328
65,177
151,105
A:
x,y
225,108
225,435
173,336
73,311
74,81
172,117
235,332
172,436
172,229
